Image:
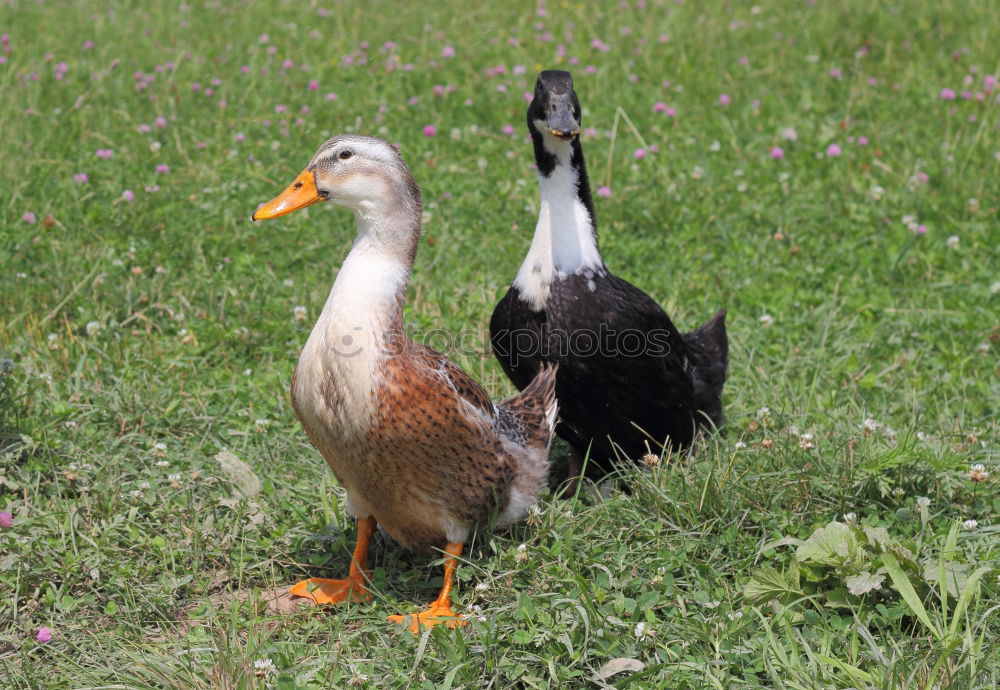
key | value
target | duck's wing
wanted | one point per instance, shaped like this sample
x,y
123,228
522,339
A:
x,y
526,419
475,402
516,332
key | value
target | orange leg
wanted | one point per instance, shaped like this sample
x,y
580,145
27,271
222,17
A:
x,y
439,612
324,591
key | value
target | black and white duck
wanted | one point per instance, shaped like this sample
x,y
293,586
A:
x,y
629,383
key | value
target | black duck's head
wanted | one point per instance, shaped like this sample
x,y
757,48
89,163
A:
x,y
555,109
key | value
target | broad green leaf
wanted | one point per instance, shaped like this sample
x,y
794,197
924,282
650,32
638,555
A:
x,y
864,582
878,537
839,598
947,574
523,636
771,583
834,545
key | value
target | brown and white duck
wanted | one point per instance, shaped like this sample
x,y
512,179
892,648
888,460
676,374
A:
x,y
418,445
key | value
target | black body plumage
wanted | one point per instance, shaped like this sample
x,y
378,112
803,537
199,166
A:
x,y
628,381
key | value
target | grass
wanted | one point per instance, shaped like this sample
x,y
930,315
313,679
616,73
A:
x,y
146,336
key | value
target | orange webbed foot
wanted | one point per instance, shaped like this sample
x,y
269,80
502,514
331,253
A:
x,y
435,614
323,591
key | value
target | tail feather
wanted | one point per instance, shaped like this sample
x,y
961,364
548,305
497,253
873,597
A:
x,y
530,416
527,421
708,347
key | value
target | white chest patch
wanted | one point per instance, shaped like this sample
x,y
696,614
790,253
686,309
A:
x,y
564,241
338,365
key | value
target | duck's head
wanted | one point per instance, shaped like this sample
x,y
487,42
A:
x,y
359,173
555,110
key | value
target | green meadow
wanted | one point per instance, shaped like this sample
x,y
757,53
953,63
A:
x,y
827,171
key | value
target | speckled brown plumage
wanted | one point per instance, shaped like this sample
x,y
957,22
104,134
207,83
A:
x,y
438,456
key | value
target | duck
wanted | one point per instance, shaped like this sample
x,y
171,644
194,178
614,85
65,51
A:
x,y
418,445
629,384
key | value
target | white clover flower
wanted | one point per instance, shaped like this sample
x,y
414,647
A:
x,y
640,630
766,320
995,288
522,554
261,424
923,502
650,460
850,518
288,282
299,312
161,463
482,586
714,146
970,524
175,477
952,242
739,445
978,473
789,134
869,426
762,412
877,192
534,515
263,668
93,328
983,348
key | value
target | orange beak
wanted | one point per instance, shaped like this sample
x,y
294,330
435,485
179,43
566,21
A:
x,y
299,194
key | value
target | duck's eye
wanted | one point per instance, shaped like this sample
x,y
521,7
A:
x,y
345,154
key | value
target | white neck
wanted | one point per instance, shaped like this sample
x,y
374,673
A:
x,y
564,241
367,295
360,327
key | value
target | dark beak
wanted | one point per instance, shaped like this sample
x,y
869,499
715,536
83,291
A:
x,y
560,119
